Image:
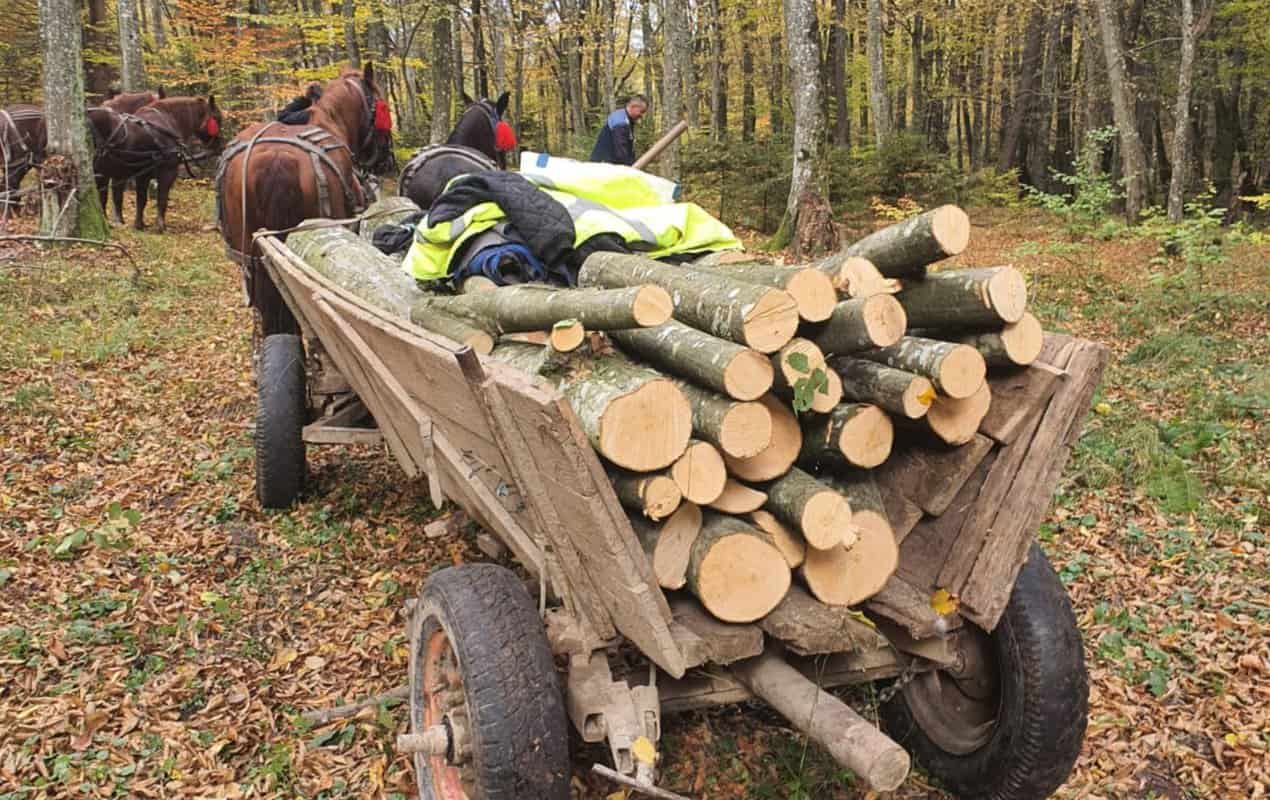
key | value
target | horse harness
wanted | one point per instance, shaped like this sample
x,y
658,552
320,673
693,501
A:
x,y
167,141
18,155
476,158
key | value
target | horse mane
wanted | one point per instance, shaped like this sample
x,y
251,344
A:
x,y
344,103
187,112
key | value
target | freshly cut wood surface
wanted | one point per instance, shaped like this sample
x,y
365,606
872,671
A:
x,y
708,361
854,276
818,511
1015,345
795,360
894,390
756,316
635,417
734,571
871,561
813,291
654,496
789,542
785,442
477,283
956,421
852,435
456,329
669,544
737,498
981,297
861,324
905,248
700,473
566,336
955,369
738,429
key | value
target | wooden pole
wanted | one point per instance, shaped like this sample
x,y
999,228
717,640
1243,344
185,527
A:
x,y
661,144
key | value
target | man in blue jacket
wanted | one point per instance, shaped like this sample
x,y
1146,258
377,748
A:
x,y
616,142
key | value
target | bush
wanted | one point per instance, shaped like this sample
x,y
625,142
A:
x,y
1091,194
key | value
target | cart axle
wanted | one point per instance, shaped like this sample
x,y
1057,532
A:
x,y
434,741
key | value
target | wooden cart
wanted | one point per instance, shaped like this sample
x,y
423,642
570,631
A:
x,y
487,657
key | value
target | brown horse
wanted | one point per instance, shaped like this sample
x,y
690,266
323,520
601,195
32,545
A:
x,y
150,144
131,102
275,176
23,139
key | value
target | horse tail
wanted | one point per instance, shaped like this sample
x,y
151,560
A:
x,y
278,196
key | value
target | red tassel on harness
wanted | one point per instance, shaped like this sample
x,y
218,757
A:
x,y
211,128
383,119
504,137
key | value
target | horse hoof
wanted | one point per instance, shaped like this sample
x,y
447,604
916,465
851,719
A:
x,y
140,226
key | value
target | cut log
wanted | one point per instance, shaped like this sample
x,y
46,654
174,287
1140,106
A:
x,y
789,542
654,496
795,361
818,511
533,308
852,435
706,360
785,442
566,336
896,391
737,498
717,642
854,276
966,298
633,416
955,421
1015,345
756,316
809,627
862,324
456,329
669,544
700,473
341,256
870,563
955,369
738,429
853,741
477,283
813,291
391,210
734,571
905,248
827,399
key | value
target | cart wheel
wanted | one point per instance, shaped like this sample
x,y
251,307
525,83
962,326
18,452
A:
x,y
280,416
1008,723
482,676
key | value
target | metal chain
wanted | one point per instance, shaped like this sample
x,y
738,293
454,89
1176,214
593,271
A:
x,y
906,677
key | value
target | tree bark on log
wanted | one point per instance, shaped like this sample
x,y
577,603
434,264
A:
x,y
341,256
632,415
813,291
734,571
1014,345
655,496
669,545
853,435
894,390
965,298
955,421
391,210
737,498
866,566
745,313
862,324
457,329
905,248
706,360
738,429
955,369
524,308
789,542
819,511
785,441
700,473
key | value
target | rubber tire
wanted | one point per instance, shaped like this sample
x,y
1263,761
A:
x,y
520,735
280,417
1044,700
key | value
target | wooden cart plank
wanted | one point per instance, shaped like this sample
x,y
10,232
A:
x,y
934,540
908,606
810,627
1017,397
902,513
929,473
708,640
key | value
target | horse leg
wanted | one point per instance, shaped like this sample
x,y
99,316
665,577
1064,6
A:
x,y
143,186
102,183
167,177
117,186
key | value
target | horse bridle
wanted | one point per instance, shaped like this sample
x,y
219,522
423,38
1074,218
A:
x,y
365,139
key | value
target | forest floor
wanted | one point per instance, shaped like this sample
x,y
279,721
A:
x,y
159,631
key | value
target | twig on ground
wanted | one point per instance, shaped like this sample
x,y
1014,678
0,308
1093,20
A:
x,y
323,716
31,237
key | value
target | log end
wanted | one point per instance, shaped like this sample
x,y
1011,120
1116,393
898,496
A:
x,y
661,496
674,544
824,402
742,578
918,397
956,421
477,283
870,562
567,336
775,459
797,352
771,322
866,438
1023,340
951,228
787,541
814,293
700,473
826,520
652,306
647,429
1007,293
737,498
885,320
746,430
962,372
748,376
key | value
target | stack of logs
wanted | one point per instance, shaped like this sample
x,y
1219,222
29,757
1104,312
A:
x,y
743,408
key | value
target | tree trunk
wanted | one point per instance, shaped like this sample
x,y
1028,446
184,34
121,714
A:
x,y
726,367
955,369
776,87
1042,110
1014,345
478,51
789,542
747,314
1029,78
1182,115
862,324
69,203
1064,153
98,40
818,511
908,247
734,571
352,50
131,63
984,297
809,117
866,566
356,265
956,420
442,50
738,429
646,53
838,75
456,36
512,309
500,23
773,461
1132,156
157,25
879,104
718,76
901,393
748,113
853,435
855,277
676,62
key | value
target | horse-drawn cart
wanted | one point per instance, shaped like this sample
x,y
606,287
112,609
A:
x,y
994,709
